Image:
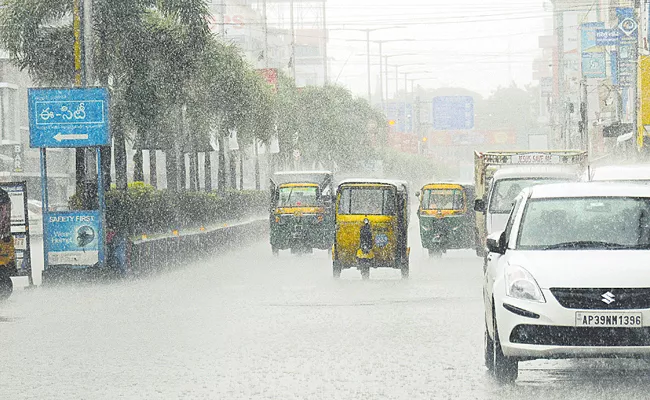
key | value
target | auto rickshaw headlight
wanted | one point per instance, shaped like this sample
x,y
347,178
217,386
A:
x,y
319,219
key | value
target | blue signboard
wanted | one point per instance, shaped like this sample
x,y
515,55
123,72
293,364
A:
x,y
588,38
594,65
607,37
73,238
613,60
68,117
453,113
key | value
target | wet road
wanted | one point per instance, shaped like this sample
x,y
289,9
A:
x,y
246,325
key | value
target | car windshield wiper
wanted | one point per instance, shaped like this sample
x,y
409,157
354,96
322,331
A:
x,y
585,244
642,246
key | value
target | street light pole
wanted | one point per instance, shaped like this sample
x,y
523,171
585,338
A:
x,y
368,57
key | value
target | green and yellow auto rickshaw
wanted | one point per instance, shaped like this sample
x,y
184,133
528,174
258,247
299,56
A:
x,y
7,248
371,226
302,211
446,220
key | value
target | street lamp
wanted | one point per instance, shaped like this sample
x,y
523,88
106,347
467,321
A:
x,y
381,67
407,74
397,67
367,40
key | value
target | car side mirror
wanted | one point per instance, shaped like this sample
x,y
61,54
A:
x,y
479,205
417,194
496,242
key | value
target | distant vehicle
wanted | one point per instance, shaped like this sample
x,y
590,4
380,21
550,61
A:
x,y
637,173
500,176
568,277
446,216
302,211
372,226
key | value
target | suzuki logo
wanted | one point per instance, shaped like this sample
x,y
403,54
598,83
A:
x,y
608,298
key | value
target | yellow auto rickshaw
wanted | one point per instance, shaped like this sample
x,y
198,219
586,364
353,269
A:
x,y
446,221
371,226
7,249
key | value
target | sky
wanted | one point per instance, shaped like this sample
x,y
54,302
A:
x,y
476,44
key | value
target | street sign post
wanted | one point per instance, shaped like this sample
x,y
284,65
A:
x,y
68,117
453,113
71,118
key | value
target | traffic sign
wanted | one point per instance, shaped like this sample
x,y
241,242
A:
x,y
453,113
68,117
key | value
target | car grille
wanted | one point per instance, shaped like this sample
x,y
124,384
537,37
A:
x,y
579,336
592,299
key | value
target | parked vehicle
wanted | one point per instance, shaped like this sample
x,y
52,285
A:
x,y
500,176
446,216
371,226
302,211
7,248
568,277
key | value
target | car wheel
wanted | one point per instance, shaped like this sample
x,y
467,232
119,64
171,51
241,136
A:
x,y
405,269
6,288
488,347
336,270
505,369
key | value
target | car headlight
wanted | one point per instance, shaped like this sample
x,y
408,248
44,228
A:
x,y
520,284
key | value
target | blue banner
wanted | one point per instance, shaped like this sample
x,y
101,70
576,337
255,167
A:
x,y
73,238
607,37
613,60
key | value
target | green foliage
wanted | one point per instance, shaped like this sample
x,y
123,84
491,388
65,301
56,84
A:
x,y
144,210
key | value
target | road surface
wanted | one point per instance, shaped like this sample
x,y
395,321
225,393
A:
x,y
246,325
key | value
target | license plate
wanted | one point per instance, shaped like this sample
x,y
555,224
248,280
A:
x,y
609,319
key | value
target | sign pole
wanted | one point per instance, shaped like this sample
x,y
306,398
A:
x,y
102,208
44,200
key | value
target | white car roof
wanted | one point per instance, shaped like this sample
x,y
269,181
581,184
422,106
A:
x,y
588,189
639,172
538,171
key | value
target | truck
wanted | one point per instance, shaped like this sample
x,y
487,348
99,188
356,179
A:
x,y
500,176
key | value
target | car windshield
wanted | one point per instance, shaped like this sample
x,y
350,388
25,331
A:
x,y
505,191
298,196
367,201
443,199
570,223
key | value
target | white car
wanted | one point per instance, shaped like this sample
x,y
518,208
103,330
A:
x,y
569,277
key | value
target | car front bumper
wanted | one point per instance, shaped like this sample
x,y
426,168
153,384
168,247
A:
x,y
548,330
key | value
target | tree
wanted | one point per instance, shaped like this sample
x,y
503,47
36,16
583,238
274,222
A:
x,y
38,35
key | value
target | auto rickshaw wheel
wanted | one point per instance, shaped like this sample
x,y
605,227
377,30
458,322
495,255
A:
x,y
435,252
364,268
405,269
336,270
275,251
6,287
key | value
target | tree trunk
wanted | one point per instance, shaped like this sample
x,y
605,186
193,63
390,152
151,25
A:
x,y
221,187
106,166
172,170
194,173
208,172
182,172
80,171
138,166
233,171
241,171
119,145
153,164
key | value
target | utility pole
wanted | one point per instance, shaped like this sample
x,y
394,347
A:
x,y
293,41
381,76
368,57
325,40
80,153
